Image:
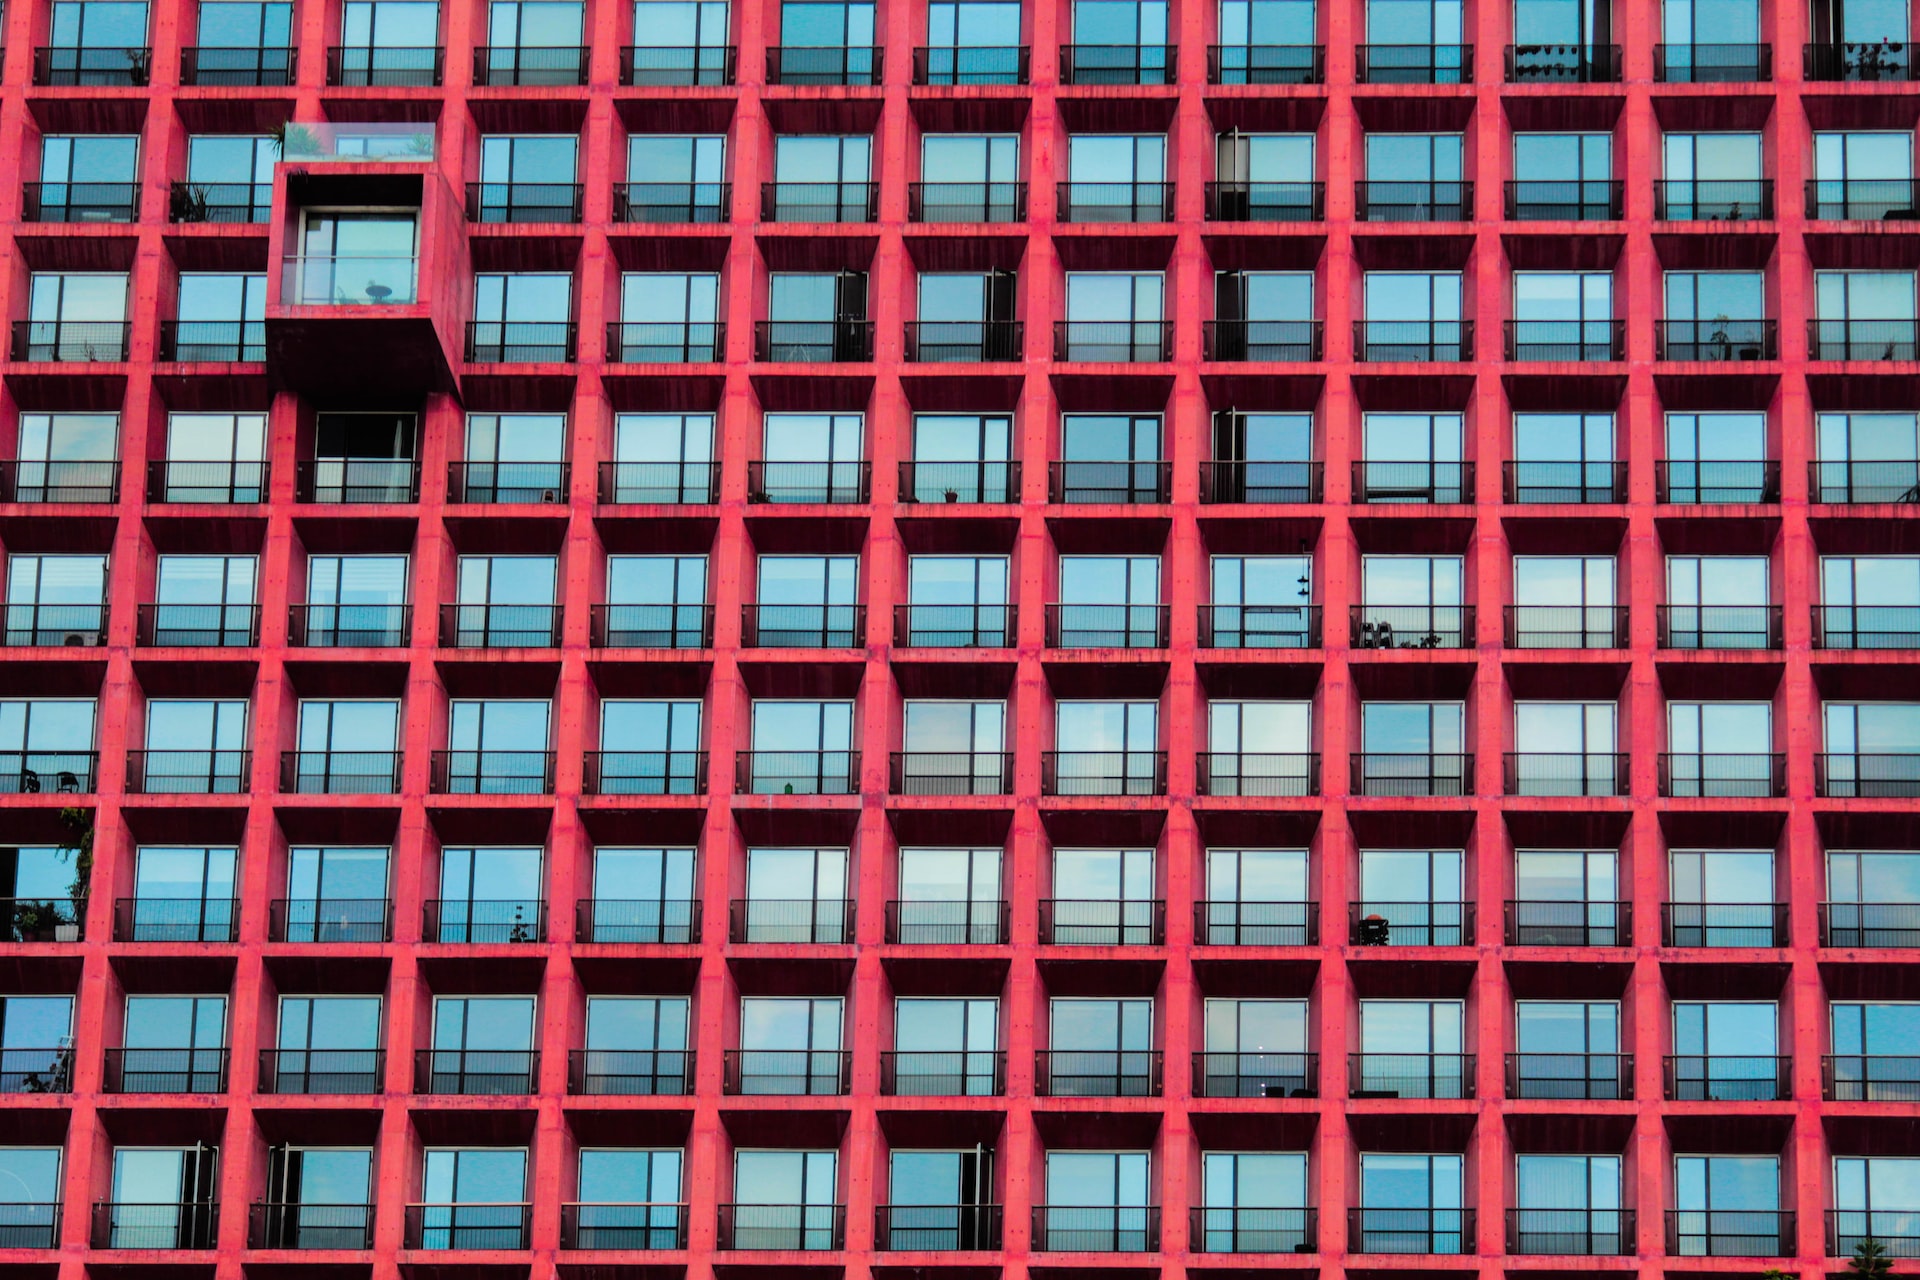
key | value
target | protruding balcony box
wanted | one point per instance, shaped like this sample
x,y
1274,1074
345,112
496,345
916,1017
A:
x,y
395,333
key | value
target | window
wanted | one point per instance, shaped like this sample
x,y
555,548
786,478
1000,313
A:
x,y
1102,897
945,1047
1413,749
67,457
36,1044
954,748
784,1200
1717,457
642,895
1560,176
1259,749
635,1045
1109,602
1265,177
172,1044
1117,178
1257,1049
1568,1049
230,177
1412,602
1099,1048
97,42
1867,457
807,602
1268,42
958,602
1414,42
1876,1052
389,42
669,319
76,317
1555,41
656,602
1716,42
535,42
1413,177
474,1198
950,896
163,1198
357,259
1726,1052
1264,315
39,885
498,747
1412,315
482,1045
1106,748
30,1203
1110,458
938,1200
961,458
1872,749
969,177
827,42
1713,176
803,748
815,317
347,747
1720,749
336,894
973,42
194,746
506,602
810,457
1869,602
1565,457
1114,316
795,895
522,318
629,1199
822,177
1258,898
1875,1197
1412,1049
1565,602
674,177
649,747
1413,898
215,457
965,316
1569,1205
1411,1204
182,894
527,178
86,178
329,1044
46,744
1863,315
1564,316
56,600
514,457
1862,175
1718,602
204,600
318,1198
1119,42
1098,1201
1723,898
687,42
488,895
1261,602
662,458
1567,896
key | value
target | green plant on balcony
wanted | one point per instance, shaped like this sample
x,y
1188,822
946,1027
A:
x,y
1869,1261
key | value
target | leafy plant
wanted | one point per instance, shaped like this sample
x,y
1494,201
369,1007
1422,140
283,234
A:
x,y
77,845
1869,1260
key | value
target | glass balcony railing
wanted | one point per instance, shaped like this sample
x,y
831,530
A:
x,y
348,142
349,280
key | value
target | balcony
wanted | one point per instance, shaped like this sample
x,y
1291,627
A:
x,y
1248,773
384,67
1260,626
794,1072
1413,63
1727,1078
1563,64
1895,480
1096,1228
499,626
96,481
36,1070
1256,1075
955,65
24,773
950,773
491,773
1871,340
1260,481
1413,201
644,773
1867,776
815,921
1877,1078
1117,483
1720,200
1896,1230
1536,340
672,202
226,203
1730,1233
1097,1073
803,626
803,65
482,1072
637,921
1114,201
1236,1230
206,626
176,920
1569,483
340,773
488,1227
1720,626
981,481
322,1071
189,1225
1866,199
813,341
1410,924
97,66
1118,64
1560,1076
1687,482
349,280
1870,924
677,65
1413,341
1103,922
1565,626
964,341
1266,201
329,920
1266,64
1866,626
659,483
1723,924
200,773
651,626
70,341
49,919
954,626
965,923
943,1074
993,202
666,342
263,67
298,1225
1562,923
1863,62
810,1227
1103,773
348,481
1271,341
1411,626
1227,923
937,1228
220,483
1410,1075
1570,1232
521,342
523,202
481,922
623,1226
1113,341
505,483
796,773
516,66
1420,1231
165,1071
1565,773
80,202
1712,63
1593,200
30,1226
1723,774
1107,626
630,1073
1401,773
70,626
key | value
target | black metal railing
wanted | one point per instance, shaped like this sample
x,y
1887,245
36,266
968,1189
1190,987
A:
x,y
202,773
651,626
1411,626
1686,481
1248,201
1424,1231
981,481
803,626
1863,61
1897,1231
71,626
70,481
1108,626
1570,200
1275,341
1730,1233
1712,200
819,201
1410,924
323,1071
24,773
1417,341
1876,340
340,773
1230,1229
1712,63
963,341
383,67
797,773
1727,1077
1720,626
672,202
93,66
467,1226
1893,480
1261,481
1103,773
1097,1073
982,922
1113,341
631,921
1716,340
1570,1232
1563,64
1867,775
30,1225
42,920
957,1073
355,480
995,202
1604,1076
486,1072
800,1072
1565,626
499,626
248,67
491,772
491,483
950,773
809,1227
1544,923
499,202
30,1070
1565,773
330,920
71,341
1413,63
811,920
223,483
521,341
1870,1078
659,483
1266,64
1533,340
824,65
1227,923
176,919
1412,773
79,201
209,626
1258,773
299,1225
820,483
1866,626
525,65
1281,1074
623,1226
1114,201
1118,63
666,342
1416,201
644,773
954,65
682,64
1723,924
1096,1228
937,1228
1870,924
1867,199
812,341
1723,774
630,1072
1103,922
164,1071
1119,483
194,1224
954,626
1260,626
1410,1075
483,921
